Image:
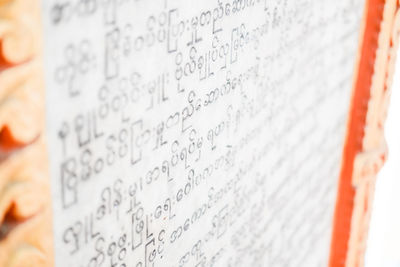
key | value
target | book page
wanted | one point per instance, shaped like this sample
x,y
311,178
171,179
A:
x,y
197,133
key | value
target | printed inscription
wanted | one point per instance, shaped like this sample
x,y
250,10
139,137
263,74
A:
x,y
196,133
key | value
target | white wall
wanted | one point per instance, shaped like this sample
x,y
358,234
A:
x,y
384,239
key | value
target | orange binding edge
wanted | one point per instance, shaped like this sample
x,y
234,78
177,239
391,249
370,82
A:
x,y
365,149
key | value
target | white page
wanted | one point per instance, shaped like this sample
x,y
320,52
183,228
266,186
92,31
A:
x,y
196,133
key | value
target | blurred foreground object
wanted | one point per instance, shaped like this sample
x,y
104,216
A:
x,y
25,205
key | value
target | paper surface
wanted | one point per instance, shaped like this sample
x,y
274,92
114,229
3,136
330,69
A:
x,y
196,133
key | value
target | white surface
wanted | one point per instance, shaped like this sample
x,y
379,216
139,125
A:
x,y
273,140
384,238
